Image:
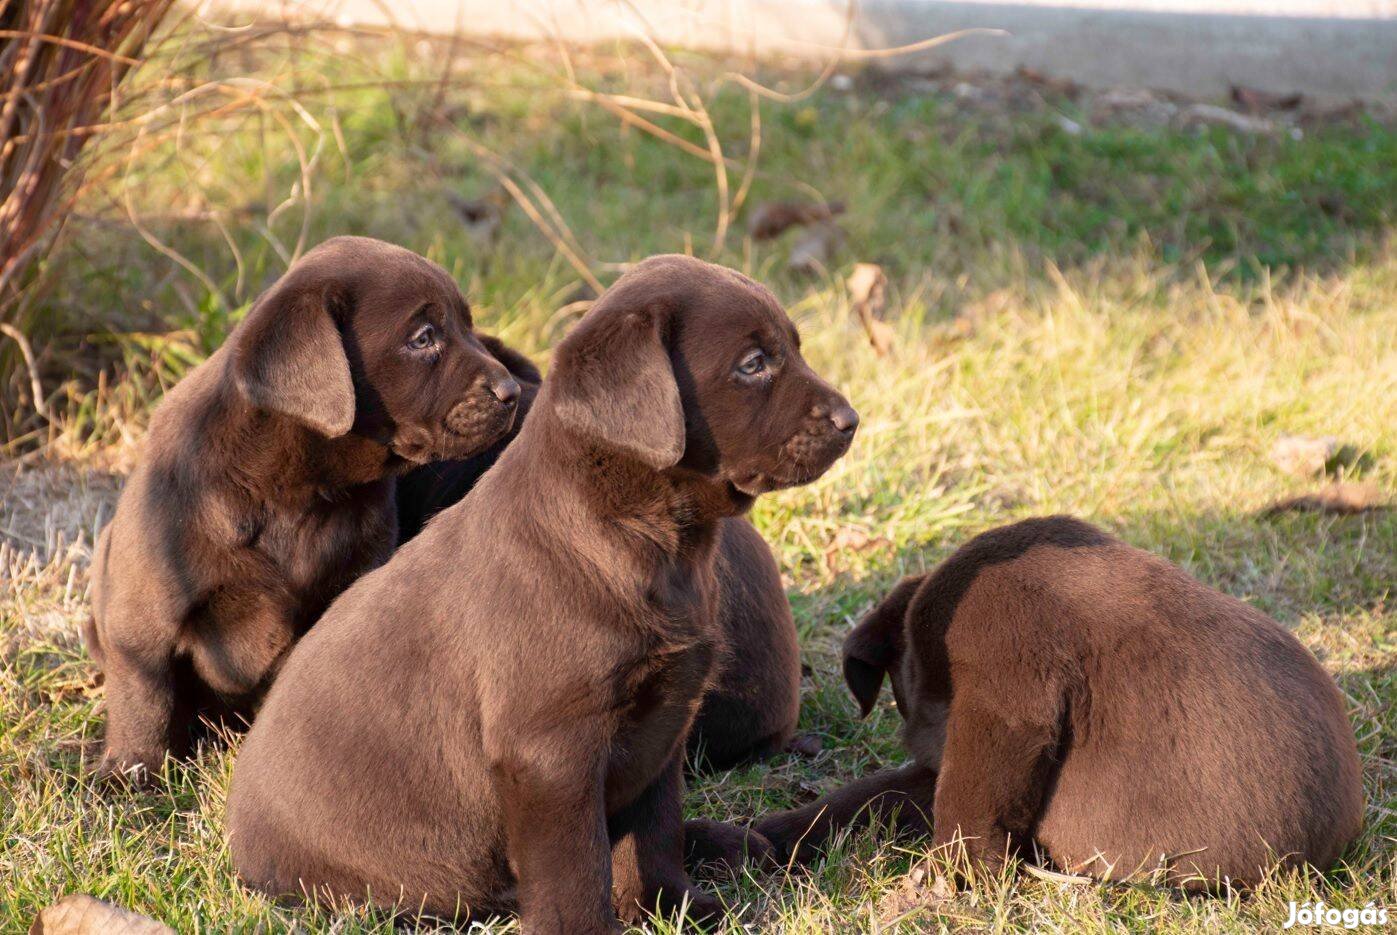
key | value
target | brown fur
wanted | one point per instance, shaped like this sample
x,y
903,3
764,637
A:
x,y
753,700
265,486
495,719
1084,695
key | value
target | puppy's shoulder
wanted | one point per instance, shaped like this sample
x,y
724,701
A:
x,y
191,405
183,484
1043,555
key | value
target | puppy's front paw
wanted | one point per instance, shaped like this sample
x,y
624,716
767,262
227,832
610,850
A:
x,y
806,745
967,857
792,834
127,768
723,842
700,909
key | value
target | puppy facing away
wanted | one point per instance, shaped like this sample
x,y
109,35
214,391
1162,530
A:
x,y
1062,688
265,487
494,721
752,703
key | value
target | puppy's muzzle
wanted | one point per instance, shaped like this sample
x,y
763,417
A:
x,y
483,416
470,426
821,440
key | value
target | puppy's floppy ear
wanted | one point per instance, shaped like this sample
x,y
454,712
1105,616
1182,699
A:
x,y
615,383
875,645
288,357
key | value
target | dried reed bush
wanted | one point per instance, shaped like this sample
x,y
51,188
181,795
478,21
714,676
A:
x,y
61,64
81,140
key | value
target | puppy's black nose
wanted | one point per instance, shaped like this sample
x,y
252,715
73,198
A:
x,y
845,418
506,391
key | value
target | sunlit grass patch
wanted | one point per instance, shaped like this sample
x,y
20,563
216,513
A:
x,y
1118,325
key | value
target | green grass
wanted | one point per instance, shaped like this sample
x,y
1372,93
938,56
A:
x,y
1147,311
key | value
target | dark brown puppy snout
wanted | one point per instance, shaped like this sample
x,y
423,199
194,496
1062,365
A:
x,y
506,391
492,391
845,419
831,426
840,414
483,412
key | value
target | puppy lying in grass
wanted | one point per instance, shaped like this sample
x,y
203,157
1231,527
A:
x,y
1063,689
494,721
265,486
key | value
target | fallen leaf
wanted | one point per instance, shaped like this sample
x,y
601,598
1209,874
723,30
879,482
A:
x,y
1255,101
818,787
850,539
1302,456
1135,106
1340,497
941,888
880,335
913,894
854,539
868,292
773,218
1068,125
78,914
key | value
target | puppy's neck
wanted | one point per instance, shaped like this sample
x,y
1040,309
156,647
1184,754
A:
x,y
712,497
351,461
675,509
276,458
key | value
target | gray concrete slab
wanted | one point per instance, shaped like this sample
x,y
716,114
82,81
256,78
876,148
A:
x,y
1327,49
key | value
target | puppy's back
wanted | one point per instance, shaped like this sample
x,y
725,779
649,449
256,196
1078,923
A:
x,y
1192,722
157,507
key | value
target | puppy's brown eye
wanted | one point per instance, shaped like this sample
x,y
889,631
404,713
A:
x,y
422,338
753,364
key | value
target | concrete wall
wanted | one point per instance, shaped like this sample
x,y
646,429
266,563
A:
x,y
1328,49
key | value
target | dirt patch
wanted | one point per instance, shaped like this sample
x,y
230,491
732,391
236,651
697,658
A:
x,y
49,508
50,519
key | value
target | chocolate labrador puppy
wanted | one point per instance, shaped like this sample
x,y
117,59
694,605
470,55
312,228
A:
x,y
753,700
495,719
1092,698
266,484
429,488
